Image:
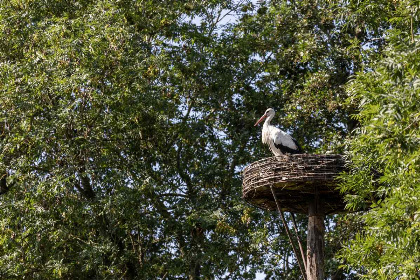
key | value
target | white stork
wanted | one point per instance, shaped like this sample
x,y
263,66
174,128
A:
x,y
279,141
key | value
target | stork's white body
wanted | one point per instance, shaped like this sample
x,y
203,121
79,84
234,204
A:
x,y
278,141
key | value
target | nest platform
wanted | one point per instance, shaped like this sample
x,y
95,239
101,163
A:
x,y
296,180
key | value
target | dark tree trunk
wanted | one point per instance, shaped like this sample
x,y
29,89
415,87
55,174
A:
x,y
315,250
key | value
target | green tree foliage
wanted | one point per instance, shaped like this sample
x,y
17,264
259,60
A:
x,y
385,153
117,159
384,150
305,61
124,126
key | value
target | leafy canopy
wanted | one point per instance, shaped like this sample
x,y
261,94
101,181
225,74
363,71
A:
x,y
385,174
124,126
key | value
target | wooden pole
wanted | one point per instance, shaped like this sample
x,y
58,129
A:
x,y
315,240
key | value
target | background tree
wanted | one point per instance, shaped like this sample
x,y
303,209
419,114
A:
x,y
125,125
384,150
111,144
388,142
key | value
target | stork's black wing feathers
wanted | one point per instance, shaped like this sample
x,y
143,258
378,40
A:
x,y
288,150
300,150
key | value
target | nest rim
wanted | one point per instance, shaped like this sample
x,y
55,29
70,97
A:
x,y
296,179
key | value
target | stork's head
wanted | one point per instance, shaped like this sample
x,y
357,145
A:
x,y
268,113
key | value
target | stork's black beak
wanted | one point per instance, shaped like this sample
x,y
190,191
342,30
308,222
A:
x,y
260,120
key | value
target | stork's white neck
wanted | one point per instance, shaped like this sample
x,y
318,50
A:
x,y
266,130
268,120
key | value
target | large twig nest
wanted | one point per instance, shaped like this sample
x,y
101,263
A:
x,y
296,180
